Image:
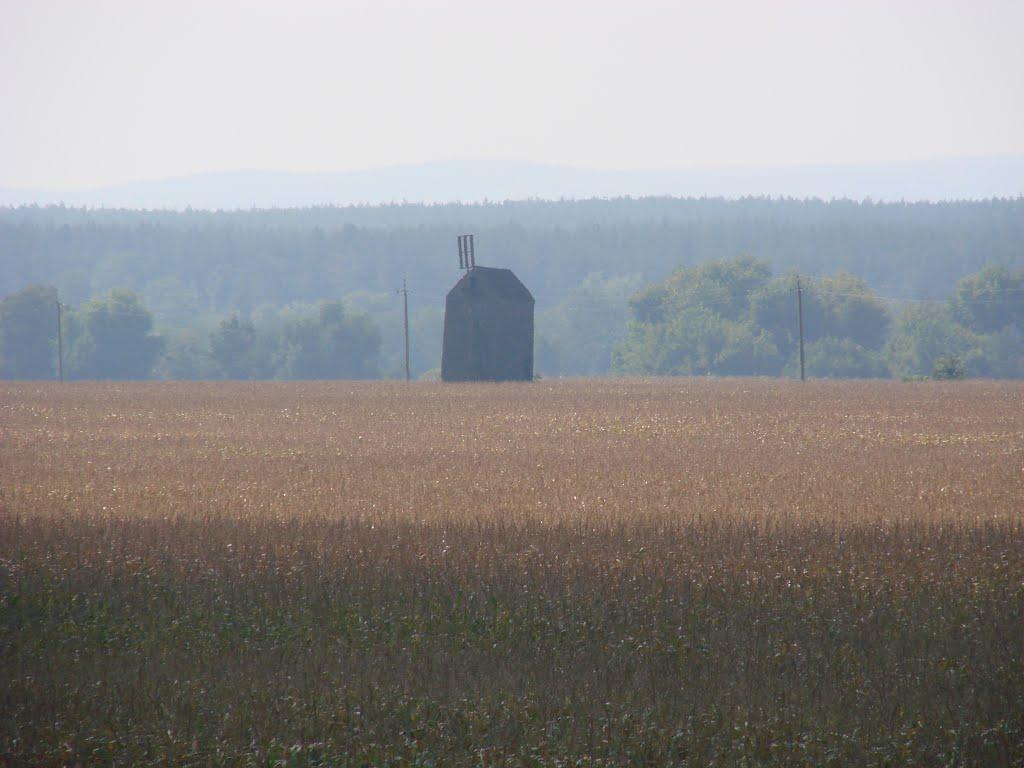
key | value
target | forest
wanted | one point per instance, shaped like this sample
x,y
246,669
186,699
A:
x,y
632,286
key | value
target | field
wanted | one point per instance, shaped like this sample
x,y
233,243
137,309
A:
x,y
671,572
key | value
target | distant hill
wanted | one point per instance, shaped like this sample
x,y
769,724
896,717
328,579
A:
x,y
473,181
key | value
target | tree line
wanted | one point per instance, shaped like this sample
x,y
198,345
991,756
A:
x,y
194,266
733,317
582,259
112,337
722,317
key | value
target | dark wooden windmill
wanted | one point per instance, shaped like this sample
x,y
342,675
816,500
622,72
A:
x,y
488,324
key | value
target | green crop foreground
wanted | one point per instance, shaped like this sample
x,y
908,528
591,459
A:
x,y
618,572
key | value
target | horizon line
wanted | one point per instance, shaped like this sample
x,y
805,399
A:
x,y
113,186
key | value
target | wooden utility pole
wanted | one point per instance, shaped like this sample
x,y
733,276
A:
x,y
405,302
60,347
800,316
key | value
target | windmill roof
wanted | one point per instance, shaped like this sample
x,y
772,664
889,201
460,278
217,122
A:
x,y
491,282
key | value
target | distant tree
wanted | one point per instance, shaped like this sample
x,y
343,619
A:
x,y
991,299
690,343
576,337
426,325
731,318
195,264
841,307
922,333
773,308
113,338
172,300
948,367
187,357
426,329
652,304
238,352
830,357
331,346
721,286
547,355
852,311
747,350
998,355
28,333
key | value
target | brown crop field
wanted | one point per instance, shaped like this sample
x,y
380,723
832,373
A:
x,y
617,572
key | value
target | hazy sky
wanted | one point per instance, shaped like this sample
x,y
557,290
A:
x,y
98,93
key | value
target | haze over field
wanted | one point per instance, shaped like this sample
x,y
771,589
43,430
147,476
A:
x,y
146,104
482,180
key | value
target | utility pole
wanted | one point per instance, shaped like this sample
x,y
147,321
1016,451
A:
x,y
800,315
60,347
405,302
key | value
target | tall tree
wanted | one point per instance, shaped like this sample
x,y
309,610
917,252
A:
x,y
28,333
333,345
841,358
730,317
921,334
114,339
852,310
187,357
991,299
773,307
697,321
240,352
577,336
